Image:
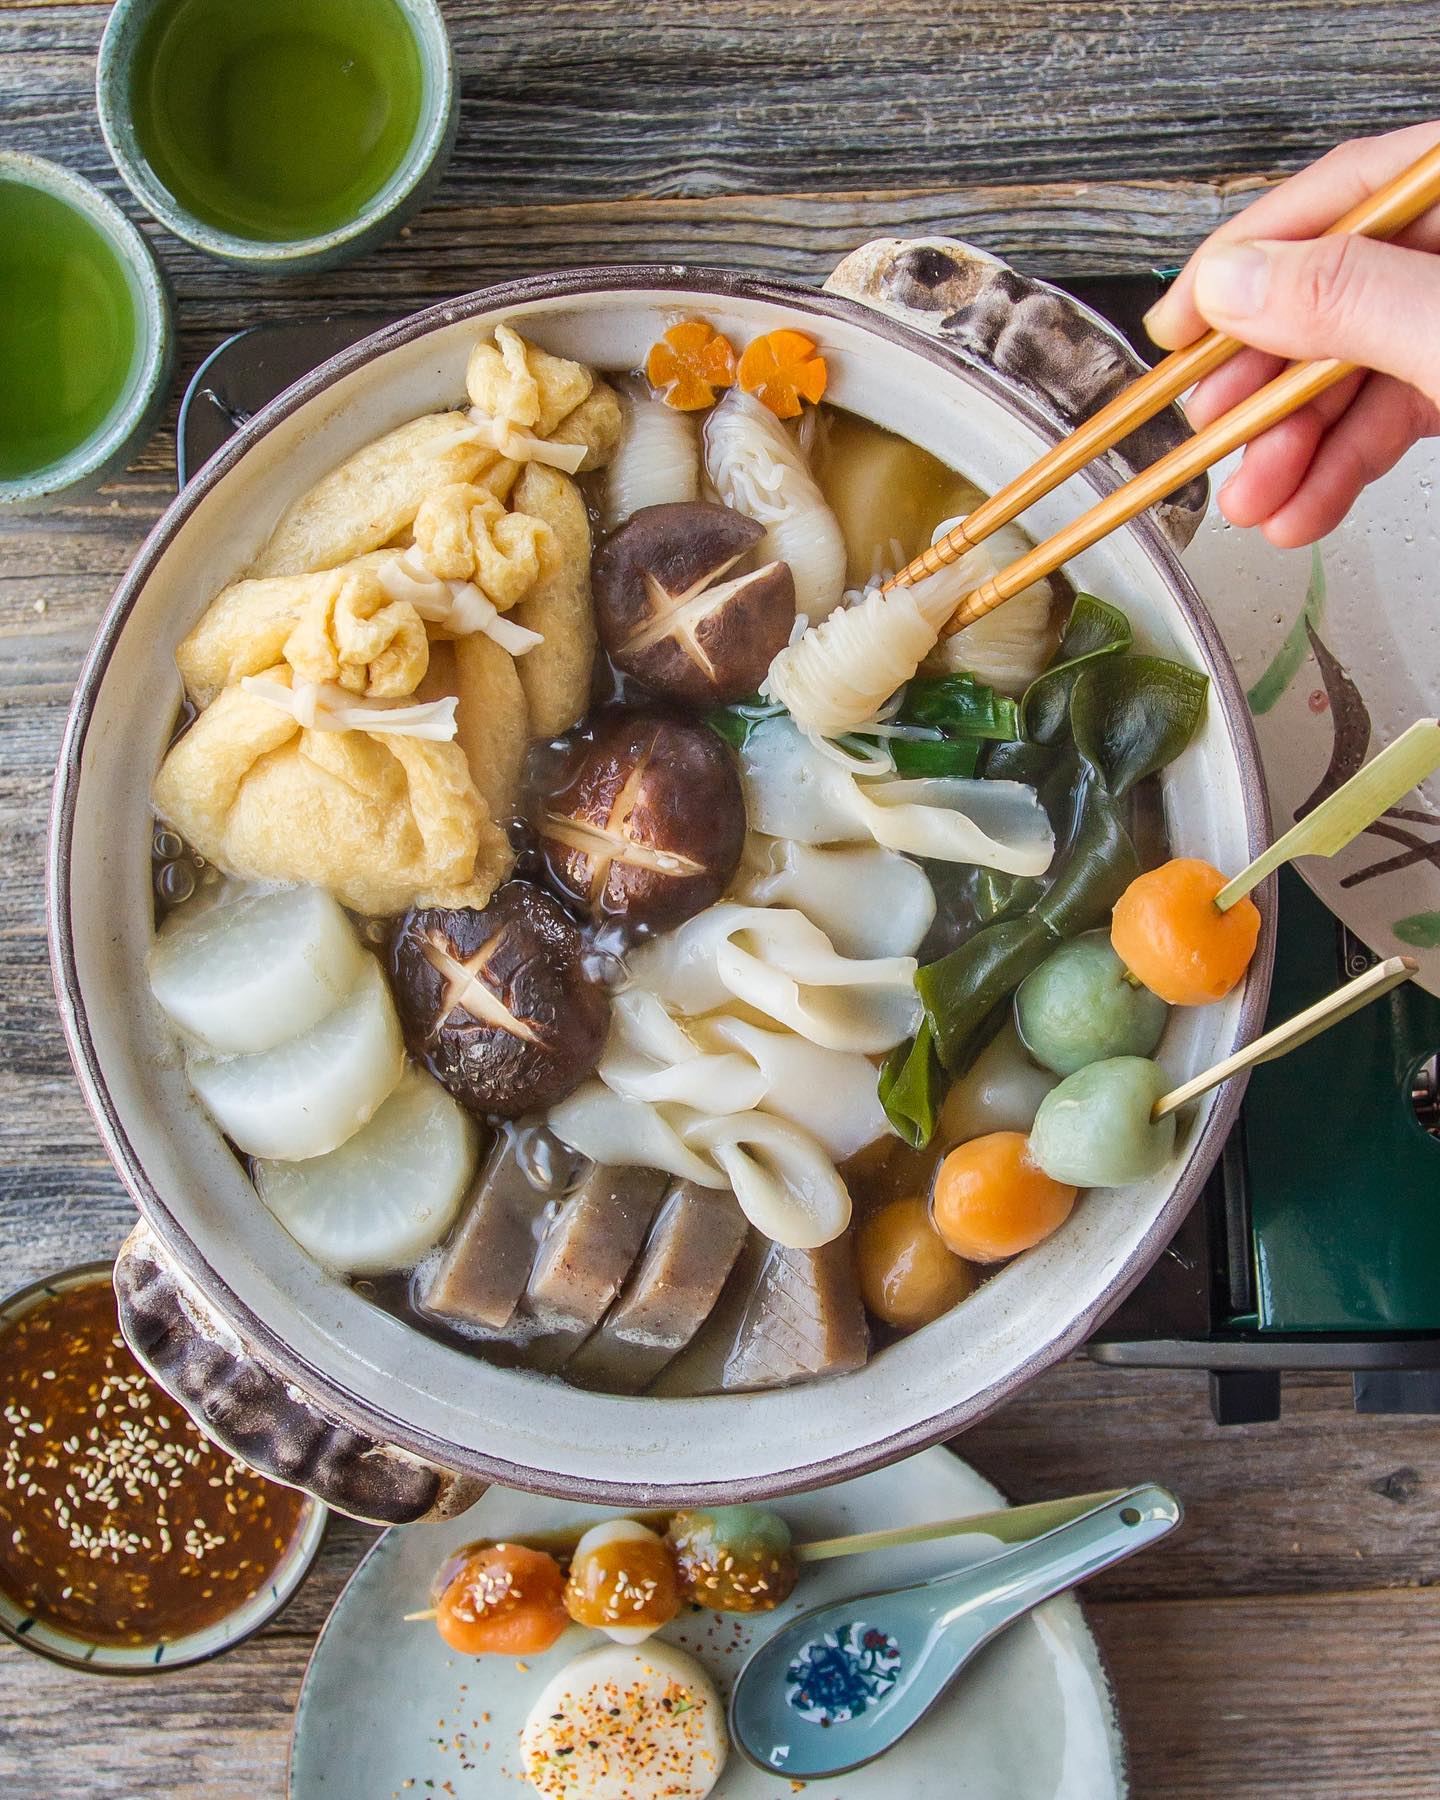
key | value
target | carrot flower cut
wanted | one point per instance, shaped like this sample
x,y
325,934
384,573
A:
x,y
689,363
783,369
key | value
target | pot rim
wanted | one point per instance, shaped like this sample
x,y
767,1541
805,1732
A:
x,y
578,283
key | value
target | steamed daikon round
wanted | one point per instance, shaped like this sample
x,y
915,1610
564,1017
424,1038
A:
x,y
245,976
389,1193
307,1096
619,1724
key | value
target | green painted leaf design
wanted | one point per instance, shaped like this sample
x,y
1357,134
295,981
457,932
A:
x,y
1286,662
1422,930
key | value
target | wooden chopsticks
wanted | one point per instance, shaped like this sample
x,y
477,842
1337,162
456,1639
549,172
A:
x,y
1264,408
1383,214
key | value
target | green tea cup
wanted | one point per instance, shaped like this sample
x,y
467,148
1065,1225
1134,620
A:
x,y
86,345
278,135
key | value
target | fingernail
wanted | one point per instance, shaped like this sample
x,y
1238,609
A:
x,y
1154,322
1233,280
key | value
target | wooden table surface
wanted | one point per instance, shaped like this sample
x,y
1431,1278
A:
x,y
1287,1641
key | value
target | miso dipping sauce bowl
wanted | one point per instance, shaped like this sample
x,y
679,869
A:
x,y
380,217
98,1656
131,419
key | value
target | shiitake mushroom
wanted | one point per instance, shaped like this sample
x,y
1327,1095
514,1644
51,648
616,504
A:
x,y
671,614
497,1002
647,821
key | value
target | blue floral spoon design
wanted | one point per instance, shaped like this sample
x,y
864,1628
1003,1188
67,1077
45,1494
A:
x,y
839,1685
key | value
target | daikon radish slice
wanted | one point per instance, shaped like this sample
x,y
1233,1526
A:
x,y
247,974
308,1095
389,1193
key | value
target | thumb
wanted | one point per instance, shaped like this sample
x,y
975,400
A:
x,y
1350,297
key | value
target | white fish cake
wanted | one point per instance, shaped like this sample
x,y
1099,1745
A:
x,y
626,1724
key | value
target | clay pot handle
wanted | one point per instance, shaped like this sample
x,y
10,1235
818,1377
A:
x,y
261,1416
1061,355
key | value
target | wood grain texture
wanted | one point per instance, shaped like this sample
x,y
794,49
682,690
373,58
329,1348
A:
x,y
1071,136
653,98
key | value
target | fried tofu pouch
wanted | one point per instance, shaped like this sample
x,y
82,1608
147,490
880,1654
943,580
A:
x,y
492,719
337,625
381,821
556,674
463,533
375,494
527,389
342,625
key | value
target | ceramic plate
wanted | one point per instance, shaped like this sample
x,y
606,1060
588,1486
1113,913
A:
x,y
386,1712
1339,650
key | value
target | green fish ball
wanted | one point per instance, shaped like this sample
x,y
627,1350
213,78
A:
x,y
1078,1007
1095,1129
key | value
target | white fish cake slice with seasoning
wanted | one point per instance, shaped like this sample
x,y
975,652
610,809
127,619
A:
x,y
626,1724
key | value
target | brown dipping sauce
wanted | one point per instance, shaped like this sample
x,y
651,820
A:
x,y
119,1521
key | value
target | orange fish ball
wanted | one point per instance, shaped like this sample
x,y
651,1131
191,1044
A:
x,y
506,1600
1169,933
991,1202
907,1276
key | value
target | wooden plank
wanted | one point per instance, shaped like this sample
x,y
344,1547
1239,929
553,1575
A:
x,y
1322,1696
1323,1497
571,98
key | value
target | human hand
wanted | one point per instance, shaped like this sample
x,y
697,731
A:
x,y
1265,278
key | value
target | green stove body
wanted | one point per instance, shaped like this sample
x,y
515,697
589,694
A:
x,y
1343,1177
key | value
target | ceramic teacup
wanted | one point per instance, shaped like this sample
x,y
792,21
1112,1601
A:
x,y
113,407
139,32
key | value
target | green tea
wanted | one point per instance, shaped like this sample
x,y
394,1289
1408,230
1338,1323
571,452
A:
x,y
276,120
70,338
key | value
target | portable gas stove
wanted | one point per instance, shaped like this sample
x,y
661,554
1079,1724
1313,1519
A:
x,y
1316,1243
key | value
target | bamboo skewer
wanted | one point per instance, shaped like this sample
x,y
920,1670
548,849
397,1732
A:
x,y
1294,1032
1346,813
1382,215
1010,1525
1289,391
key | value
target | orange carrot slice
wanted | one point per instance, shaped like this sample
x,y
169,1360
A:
x,y
781,370
689,363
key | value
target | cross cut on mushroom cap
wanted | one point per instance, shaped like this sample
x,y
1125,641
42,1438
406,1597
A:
x,y
497,1002
467,987
616,837
678,615
650,822
667,615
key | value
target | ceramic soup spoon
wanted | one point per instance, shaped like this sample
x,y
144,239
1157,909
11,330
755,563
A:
x,y
843,1683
